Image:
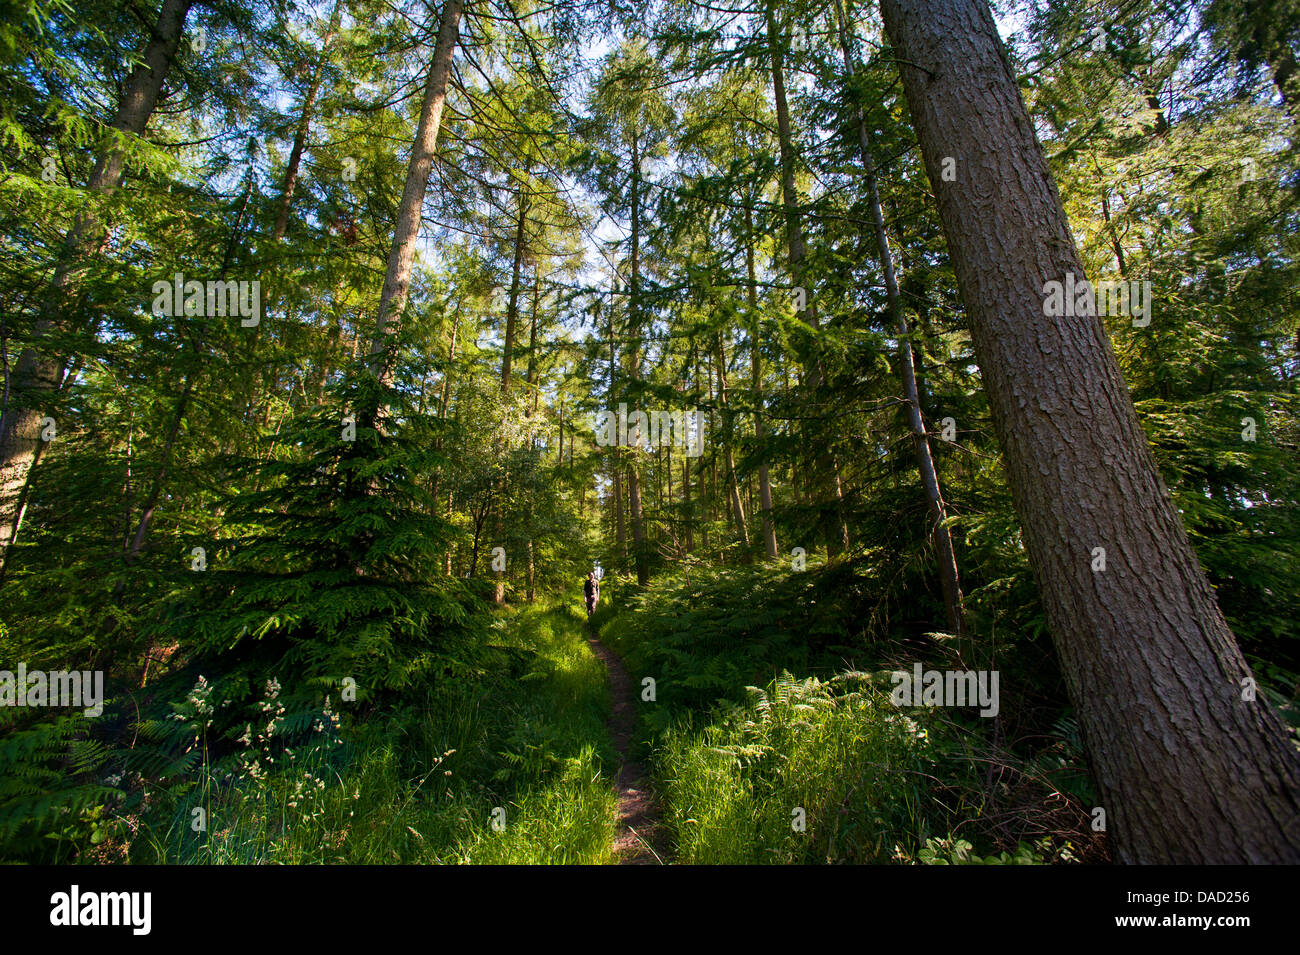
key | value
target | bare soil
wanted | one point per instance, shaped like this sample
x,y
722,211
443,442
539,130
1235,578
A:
x,y
641,838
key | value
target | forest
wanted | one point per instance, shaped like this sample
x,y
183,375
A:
x,y
688,432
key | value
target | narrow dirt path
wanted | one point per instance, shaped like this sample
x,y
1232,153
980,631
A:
x,y
640,837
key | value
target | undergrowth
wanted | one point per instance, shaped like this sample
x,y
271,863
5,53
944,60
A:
x,y
773,738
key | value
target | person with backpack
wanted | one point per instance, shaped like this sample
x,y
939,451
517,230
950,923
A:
x,y
592,591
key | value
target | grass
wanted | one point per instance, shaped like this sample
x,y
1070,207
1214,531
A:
x,y
526,745
756,765
805,772
513,763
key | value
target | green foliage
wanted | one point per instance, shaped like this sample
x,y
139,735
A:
x,y
755,714
328,569
596,236
51,797
804,772
958,852
706,633
419,784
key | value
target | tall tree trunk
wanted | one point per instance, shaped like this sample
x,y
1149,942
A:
x,y
532,340
688,510
795,242
827,467
304,126
37,374
640,557
620,525
941,534
444,395
703,508
512,304
507,360
756,374
733,488
397,278
1150,664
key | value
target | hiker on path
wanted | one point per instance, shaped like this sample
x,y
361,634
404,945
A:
x,y
592,591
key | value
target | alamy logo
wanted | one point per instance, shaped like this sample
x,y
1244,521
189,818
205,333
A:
x,y
1079,297
102,908
658,429
946,688
208,299
57,688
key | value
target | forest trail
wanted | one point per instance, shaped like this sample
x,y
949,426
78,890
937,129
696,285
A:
x,y
639,840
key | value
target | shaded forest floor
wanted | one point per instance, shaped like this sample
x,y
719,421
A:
x,y
730,716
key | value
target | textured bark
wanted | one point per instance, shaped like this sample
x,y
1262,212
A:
x,y
304,126
1188,771
945,554
38,374
397,278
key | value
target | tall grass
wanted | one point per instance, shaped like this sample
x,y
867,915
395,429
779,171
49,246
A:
x,y
423,784
805,772
755,765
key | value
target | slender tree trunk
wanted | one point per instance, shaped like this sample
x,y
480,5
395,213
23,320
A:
x,y
703,507
507,357
151,503
826,465
634,329
687,508
37,373
756,373
941,534
512,304
1188,771
304,126
532,340
789,190
733,487
672,504
397,279
531,595
183,402
616,456
620,525
1282,66
1115,244
444,398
